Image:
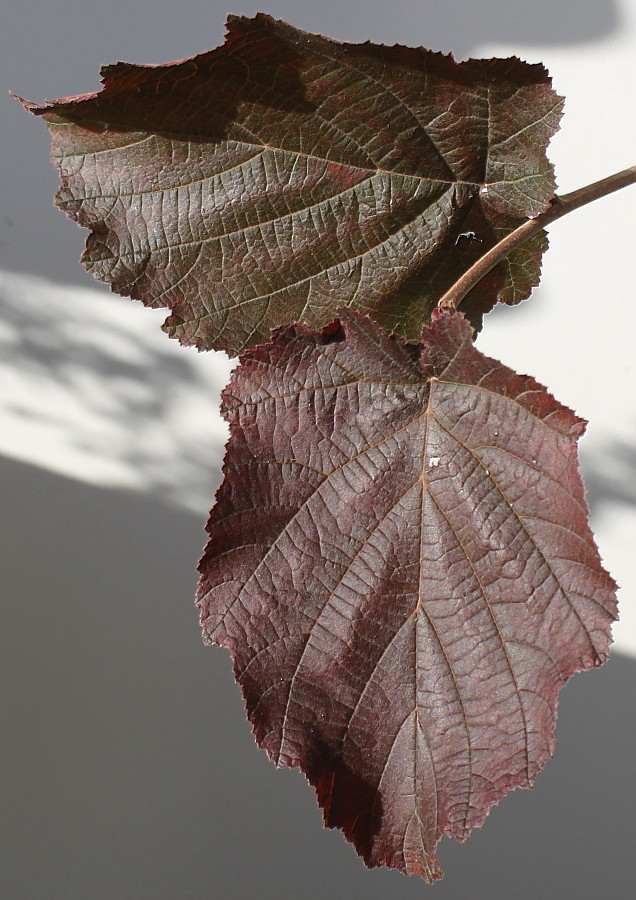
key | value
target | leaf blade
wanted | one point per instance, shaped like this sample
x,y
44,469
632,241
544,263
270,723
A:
x,y
400,563
290,175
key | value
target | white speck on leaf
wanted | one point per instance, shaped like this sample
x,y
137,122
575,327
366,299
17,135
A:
x,y
434,461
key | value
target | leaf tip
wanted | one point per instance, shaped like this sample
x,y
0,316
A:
x,y
29,105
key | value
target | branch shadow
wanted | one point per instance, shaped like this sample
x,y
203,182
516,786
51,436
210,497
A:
x,y
96,390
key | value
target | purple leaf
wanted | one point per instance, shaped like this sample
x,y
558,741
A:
x,y
401,566
283,176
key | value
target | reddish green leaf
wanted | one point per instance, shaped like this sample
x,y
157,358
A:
x,y
283,176
401,566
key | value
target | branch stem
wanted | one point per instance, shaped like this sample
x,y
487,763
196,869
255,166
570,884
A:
x,y
559,206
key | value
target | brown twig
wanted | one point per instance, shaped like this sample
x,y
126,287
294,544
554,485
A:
x,y
559,206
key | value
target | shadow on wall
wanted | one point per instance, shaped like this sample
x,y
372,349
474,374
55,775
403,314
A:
x,y
95,390
464,27
610,476
130,770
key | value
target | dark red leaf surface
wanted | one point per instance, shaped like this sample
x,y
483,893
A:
x,y
401,566
283,176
